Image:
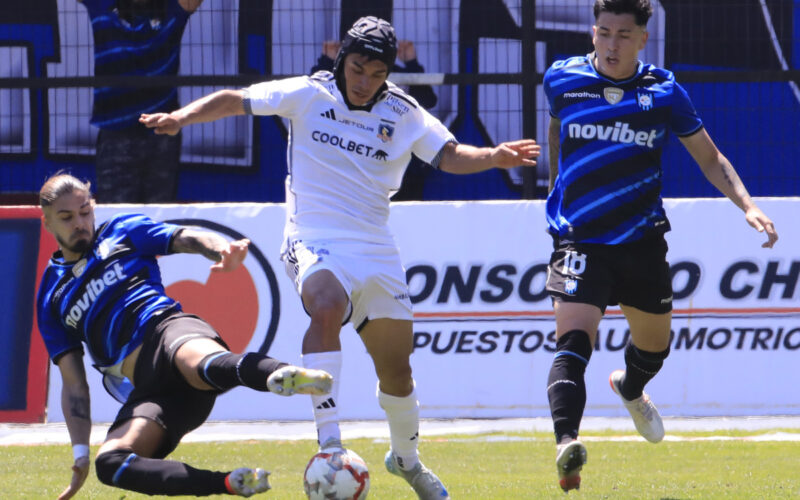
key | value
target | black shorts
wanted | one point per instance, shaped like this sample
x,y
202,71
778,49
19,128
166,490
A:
x,y
634,274
161,393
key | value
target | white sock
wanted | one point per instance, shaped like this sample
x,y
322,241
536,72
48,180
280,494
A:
x,y
326,409
403,417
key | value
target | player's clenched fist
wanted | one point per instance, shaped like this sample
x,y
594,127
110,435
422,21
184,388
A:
x,y
162,123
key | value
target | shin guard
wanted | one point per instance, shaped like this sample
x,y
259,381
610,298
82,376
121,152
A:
x,y
566,389
640,367
225,370
402,413
326,411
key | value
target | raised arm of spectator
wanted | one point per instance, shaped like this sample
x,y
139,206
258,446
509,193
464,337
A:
x,y
325,61
212,107
407,54
466,159
190,5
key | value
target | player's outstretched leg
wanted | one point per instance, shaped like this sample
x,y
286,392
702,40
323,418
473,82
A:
x,y
225,370
643,411
570,457
297,380
424,482
246,482
153,476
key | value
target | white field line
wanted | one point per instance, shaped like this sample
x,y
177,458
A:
x,y
761,429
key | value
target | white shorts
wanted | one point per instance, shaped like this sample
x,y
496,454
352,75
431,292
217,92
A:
x,y
372,275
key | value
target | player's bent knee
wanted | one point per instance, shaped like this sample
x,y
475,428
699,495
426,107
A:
x,y
330,312
110,464
575,343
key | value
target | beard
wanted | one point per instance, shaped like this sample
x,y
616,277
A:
x,y
79,246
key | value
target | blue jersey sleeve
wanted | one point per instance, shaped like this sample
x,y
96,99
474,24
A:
x,y
149,237
684,119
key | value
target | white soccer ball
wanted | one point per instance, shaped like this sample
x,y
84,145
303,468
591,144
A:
x,y
336,475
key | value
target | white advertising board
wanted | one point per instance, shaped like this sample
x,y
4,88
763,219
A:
x,y
484,325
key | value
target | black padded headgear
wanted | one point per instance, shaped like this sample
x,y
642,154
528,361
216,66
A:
x,y
372,37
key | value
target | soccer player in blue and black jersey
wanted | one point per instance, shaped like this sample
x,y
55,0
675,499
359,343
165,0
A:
x,y
103,289
610,118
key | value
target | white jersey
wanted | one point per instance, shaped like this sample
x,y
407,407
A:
x,y
345,164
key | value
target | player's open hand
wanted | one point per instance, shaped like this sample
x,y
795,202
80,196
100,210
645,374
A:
x,y
80,470
232,256
162,123
516,153
763,224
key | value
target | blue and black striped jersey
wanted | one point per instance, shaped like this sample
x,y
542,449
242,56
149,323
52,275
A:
x,y
107,298
608,188
146,45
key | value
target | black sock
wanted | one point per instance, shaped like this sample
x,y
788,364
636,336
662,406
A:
x,y
566,389
226,370
124,469
640,367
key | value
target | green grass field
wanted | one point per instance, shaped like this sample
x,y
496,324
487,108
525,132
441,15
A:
x,y
487,466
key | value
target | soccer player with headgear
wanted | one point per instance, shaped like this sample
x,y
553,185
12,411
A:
x,y
102,291
352,136
611,116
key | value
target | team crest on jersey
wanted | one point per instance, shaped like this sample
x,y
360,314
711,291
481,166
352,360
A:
x,y
78,268
385,131
570,286
613,94
645,100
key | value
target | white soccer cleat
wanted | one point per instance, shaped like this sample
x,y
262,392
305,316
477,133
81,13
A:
x,y
422,479
246,482
570,458
296,380
643,411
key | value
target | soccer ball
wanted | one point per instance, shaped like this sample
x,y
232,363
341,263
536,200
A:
x,y
336,475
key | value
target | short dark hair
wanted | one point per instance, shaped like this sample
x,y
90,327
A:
x,y
59,184
641,9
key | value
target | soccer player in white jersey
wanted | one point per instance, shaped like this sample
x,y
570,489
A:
x,y
352,135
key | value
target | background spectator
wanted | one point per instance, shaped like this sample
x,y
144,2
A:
x,y
136,38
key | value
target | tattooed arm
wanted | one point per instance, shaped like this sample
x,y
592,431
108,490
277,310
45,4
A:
x,y
227,254
554,150
719,171
77,414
